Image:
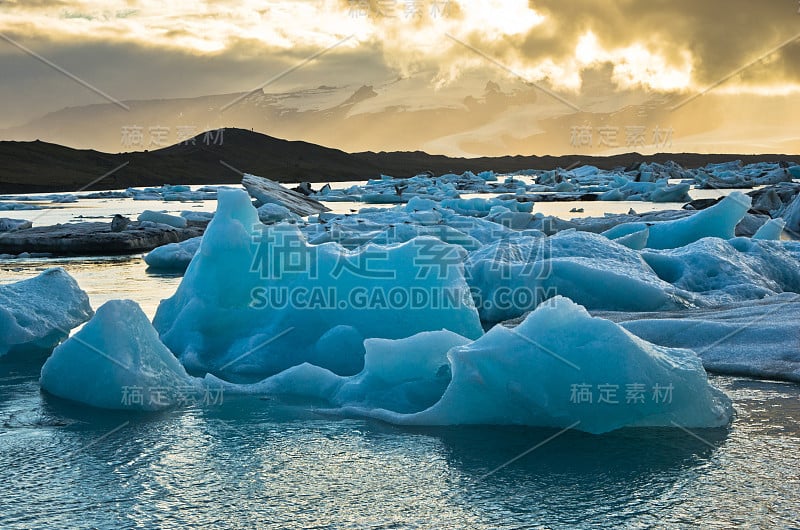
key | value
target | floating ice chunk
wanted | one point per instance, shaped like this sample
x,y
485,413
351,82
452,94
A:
x,y
275,213
42,197
10,225
635,240
163,218
792,217
507,218
198,217
385,198
37,314
189,196
173,257
63,199
676,193
256,300
728,271
511,277
562,368
612,195
115,355
480,207
403,375
169,192
718,221
420,204
584,171
6,206
403,232
771,230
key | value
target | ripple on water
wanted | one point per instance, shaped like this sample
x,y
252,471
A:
x,y
261,463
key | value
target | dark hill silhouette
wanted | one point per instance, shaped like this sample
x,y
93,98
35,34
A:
x,y
29,167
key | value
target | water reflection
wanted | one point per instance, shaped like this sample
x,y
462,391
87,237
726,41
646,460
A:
x,y
279,462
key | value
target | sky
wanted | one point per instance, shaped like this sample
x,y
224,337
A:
x,y
147,49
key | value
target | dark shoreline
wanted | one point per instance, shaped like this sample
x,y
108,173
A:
x,y
40,167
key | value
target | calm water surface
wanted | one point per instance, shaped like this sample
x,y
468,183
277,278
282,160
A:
x,y
254,461
259,462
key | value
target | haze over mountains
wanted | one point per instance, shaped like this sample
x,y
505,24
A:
x,y
453,77
468,120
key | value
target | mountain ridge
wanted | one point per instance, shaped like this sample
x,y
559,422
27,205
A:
x,y
31,167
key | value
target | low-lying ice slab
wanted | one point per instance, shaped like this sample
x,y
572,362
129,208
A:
x,y
256,300
559,368
9,206
757,338
37,314
93,238
116,361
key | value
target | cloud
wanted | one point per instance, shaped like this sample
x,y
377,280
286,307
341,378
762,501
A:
x,y
148,48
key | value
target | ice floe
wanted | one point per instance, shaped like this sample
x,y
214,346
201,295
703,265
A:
x,y
116,361
38,313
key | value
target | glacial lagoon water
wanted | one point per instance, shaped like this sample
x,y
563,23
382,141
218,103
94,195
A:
x,y
259,461
246,462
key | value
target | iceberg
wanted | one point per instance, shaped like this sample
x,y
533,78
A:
x,y
562,368
9,206
403,375
175,221
771,230
257,299
197,217
37,314
513,276
173,257
559,368
723,271
275,213
718,221
791,215
116,361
